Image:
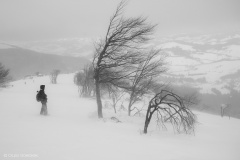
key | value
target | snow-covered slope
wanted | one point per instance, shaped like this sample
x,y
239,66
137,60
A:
x,y
72,130
209,64
198,57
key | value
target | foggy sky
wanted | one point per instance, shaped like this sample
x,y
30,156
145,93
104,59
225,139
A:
x,y
52,19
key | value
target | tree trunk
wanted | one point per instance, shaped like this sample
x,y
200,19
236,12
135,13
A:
x,y
98,96
129,108
130,104
114,107
114,104
146,126
147,120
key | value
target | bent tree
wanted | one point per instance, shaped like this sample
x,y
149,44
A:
x,y
170,107
117,53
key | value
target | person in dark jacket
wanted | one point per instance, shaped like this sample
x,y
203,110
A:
x,y
43,99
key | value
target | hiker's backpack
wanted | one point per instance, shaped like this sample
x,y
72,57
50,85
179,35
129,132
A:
x,y
38,96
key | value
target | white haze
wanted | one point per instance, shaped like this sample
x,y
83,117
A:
x,y
28,20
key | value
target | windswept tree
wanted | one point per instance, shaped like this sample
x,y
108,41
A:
x,y
4,75
117,53
53,76
170,107
143,80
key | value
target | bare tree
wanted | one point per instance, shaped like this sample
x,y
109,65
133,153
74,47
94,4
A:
x,y
4,75
53,76
117,53
79,80
84,80
116,94
171,108
145,76
88,85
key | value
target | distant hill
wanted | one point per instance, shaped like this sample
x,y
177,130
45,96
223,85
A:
x,y
22,62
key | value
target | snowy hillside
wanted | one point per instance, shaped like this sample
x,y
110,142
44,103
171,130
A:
x,y
209,65
207,60
72,130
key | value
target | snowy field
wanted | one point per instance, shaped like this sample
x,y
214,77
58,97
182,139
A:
x,y
72,130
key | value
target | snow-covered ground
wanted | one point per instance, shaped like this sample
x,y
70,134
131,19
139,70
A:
x,y
72,130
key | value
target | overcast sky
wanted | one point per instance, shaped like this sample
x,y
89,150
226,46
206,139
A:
x,y
22,20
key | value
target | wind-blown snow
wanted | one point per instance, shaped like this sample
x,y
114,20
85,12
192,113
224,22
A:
x,y
72,130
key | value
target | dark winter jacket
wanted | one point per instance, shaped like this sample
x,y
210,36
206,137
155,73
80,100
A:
x,y
42,96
